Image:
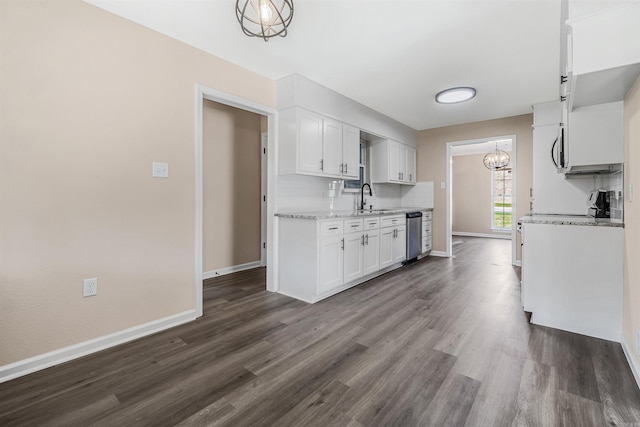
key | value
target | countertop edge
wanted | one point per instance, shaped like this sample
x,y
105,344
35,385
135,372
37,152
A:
x,y
347,214
569,220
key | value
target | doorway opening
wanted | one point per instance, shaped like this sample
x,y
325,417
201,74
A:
x,y
480,202
235,191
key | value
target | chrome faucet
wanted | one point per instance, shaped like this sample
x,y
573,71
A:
x,y
362,200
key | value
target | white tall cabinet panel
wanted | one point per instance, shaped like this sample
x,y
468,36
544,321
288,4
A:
x,y
387,236
353,252
400,244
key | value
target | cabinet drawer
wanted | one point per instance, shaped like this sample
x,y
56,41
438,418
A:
x,y
426,228
352,225
331,228
372,223
427,215
389,221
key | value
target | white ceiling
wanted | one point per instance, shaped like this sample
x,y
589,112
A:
x,y
390,55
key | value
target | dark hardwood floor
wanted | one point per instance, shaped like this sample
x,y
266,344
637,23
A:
x,y
439,342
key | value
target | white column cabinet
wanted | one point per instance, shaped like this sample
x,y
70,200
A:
x,y
353,251
400,244
311,144
371,253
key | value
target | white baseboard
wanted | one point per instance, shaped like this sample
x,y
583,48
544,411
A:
x,y
438,253
489,236
517,263
229,270
631,360
46,360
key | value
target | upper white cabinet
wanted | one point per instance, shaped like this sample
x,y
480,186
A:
x,y
602,58
595,136
311,144
392,161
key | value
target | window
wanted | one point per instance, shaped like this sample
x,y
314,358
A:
x,y
501,200
356,184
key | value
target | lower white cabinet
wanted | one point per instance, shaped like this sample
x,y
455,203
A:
x,y
572,277
319,258
393,240
331,265
427,221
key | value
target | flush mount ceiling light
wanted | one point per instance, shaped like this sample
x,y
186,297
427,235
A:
x,y
264,18
496,159
455,95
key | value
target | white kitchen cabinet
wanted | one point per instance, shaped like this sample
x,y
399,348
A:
x,y
331,263
371,253
353,250
595,136
311,144
392,161
319,258
393,240
572,278
602,55
427,223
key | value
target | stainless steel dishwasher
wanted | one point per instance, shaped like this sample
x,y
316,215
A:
x,y
414,235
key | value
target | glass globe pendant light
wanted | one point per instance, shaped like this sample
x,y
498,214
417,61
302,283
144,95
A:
x,y
264,18
496,159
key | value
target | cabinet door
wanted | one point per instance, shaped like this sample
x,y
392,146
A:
x,y
330,263
353,256
351,152
332,148
400,244
386,246
309,142
402,161
411,165
371,252
395,173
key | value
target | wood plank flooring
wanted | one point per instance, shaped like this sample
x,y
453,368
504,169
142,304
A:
x,y
442,342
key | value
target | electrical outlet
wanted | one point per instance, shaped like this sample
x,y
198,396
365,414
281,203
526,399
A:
x,y
90,287
160,170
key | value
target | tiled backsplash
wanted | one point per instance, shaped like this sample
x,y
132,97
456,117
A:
x,y
300,193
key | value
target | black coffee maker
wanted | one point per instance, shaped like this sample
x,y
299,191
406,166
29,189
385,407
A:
x,y
599,204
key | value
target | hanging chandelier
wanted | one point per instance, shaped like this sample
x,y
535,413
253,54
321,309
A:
x,y
264,18
496,159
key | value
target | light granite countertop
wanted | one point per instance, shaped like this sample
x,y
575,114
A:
x,y
538,218
348,213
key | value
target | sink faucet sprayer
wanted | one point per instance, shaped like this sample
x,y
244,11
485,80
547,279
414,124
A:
x,y
362,200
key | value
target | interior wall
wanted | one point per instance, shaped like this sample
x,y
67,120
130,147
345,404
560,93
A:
x,y
231,186
432,160
471,201
89,100
631,298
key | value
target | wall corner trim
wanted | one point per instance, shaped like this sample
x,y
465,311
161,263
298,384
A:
x,y
631,360
56,357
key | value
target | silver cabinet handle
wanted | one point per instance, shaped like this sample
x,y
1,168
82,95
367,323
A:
x,y
341,167
367,241
321,164
363,240
333,228
346,168
355,225
342,244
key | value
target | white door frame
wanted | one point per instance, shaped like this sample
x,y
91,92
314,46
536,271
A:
x,y
202,93
449,186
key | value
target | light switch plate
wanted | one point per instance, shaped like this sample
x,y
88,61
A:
x,y
443,185
160,170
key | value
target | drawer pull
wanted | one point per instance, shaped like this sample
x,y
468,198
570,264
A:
x,y
333,228
355,225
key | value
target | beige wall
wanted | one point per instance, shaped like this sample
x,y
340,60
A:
x,y
471,200
89,100
231,186
631,319
432,158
